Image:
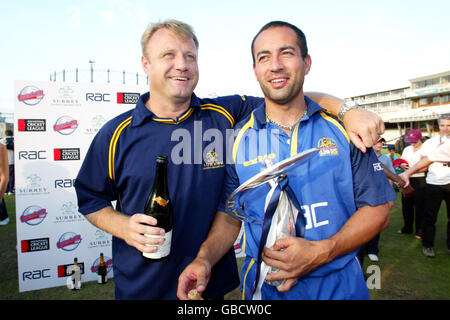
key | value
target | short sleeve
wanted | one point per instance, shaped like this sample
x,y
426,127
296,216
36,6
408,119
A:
x,y
231,182
94,189
370,184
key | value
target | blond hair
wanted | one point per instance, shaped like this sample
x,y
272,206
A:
x,y
181,29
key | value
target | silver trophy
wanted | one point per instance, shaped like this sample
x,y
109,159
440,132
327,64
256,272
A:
x,y
285,215
270,175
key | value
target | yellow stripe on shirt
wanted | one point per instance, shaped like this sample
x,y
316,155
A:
x,y
294,140
220,109
112,146
246,126
250,265
171,121
336,123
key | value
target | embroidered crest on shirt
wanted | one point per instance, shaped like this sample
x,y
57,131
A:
x,y
328,147
212,160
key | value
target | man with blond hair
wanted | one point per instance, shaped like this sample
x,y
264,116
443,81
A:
x,y
120,165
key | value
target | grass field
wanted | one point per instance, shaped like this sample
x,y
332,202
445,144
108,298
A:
x,y
405,273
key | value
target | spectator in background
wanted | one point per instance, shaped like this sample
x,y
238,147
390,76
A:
x,y
400,144
413,207
4,175
371,247
393,157
437,183
391,151
8,141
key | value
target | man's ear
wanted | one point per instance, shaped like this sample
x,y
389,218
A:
x,y
145,64
308,63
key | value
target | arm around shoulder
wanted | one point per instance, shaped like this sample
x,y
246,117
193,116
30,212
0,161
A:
x,y
363,127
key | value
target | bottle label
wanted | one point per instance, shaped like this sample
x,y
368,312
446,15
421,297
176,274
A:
x,y
100,280
163,250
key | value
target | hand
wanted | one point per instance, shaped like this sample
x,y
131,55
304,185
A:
x,y
195,276
298,257
407,191
135,229
400,182
405,177
363,127
404,166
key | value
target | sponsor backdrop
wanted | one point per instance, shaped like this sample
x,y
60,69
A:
x,y
55,123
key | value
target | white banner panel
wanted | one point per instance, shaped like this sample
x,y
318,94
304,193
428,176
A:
x,y
54,124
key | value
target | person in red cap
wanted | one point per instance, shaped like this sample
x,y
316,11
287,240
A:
x,y
413,207
435,156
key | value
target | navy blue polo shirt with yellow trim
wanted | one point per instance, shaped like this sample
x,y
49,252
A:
x,y
120,165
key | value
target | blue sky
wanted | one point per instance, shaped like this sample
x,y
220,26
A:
x,y
356,47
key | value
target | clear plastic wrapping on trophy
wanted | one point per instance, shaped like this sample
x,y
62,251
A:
x,y
283,223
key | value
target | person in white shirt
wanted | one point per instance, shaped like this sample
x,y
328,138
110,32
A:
x,y
438,183
441,153
413,207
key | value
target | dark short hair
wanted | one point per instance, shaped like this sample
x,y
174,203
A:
x,y
301,39
445,116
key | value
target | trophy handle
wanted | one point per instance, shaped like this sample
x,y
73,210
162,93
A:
x,y
269,175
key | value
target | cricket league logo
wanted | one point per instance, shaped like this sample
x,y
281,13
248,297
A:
x,y
33,215
65,125
69,241
328,147
30,95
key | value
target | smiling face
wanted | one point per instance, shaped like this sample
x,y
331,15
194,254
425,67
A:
x,y
279,66
377,147
444,127
171,65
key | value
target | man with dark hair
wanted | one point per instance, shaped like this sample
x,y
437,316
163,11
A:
x,y
343,192
301,39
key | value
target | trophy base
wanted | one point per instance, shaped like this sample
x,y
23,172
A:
x,y
275,283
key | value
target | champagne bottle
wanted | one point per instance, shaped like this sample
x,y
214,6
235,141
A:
x,y
159,206
102,272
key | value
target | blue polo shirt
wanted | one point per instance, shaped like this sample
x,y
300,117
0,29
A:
x,y
330,187
120,165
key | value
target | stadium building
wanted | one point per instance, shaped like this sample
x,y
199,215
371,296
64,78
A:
x,y
414,107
